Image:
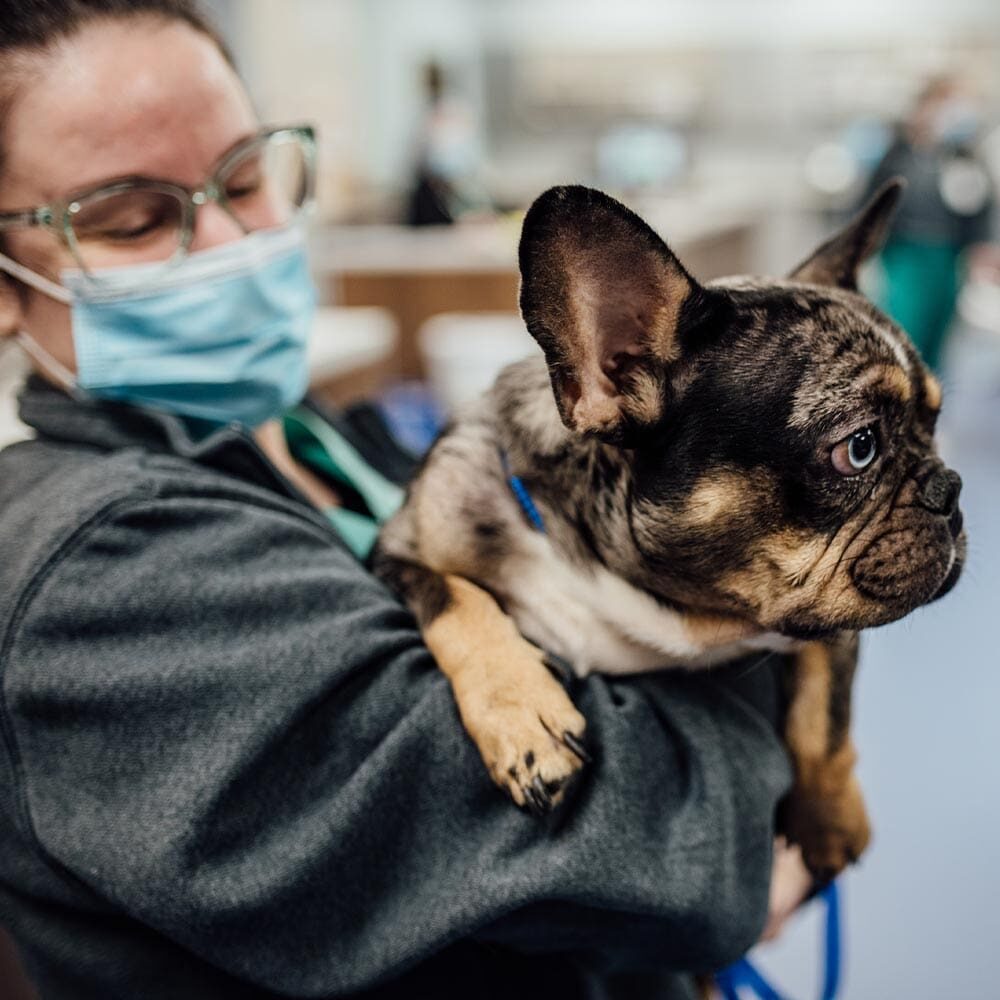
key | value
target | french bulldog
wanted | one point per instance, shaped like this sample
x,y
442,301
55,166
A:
x,y
691,472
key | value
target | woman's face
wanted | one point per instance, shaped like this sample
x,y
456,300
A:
x,y
131,98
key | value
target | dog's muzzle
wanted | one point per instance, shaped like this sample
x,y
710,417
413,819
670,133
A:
x,y
919,556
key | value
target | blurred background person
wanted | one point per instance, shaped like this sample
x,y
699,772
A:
x,y
945,215
444,184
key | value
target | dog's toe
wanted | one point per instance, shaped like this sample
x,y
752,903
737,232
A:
x,y
535,768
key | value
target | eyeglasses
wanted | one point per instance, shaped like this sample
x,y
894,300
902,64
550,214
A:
x,y
265,182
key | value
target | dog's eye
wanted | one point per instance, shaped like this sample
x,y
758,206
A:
x,y
855,453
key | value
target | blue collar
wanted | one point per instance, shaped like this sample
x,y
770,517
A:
x,y
521,492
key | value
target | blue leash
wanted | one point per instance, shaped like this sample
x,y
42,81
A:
x,y
744,974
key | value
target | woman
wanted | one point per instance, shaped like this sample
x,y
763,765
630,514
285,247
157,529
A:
x,y
229,768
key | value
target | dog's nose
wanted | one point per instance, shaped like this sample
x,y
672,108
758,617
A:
x,y
939,492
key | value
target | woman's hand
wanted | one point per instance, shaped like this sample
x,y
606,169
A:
x,y
790,884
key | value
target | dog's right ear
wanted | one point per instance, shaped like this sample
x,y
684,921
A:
x,y
602,295
837,261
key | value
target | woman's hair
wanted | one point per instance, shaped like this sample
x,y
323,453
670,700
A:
x,y
31,27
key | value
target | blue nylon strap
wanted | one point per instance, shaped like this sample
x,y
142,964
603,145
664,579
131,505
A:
x,y
743,975
523,496
725,982
831,978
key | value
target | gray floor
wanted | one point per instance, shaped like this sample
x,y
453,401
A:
x,y
923,908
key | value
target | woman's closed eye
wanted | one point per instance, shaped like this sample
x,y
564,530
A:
x,y
246,179
125,217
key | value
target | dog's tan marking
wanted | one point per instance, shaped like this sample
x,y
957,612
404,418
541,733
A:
x,y
710,631
798,556
826,812
515,711
791,570
716,495
813,400
645,398
674,289
932,393
807,727
889,378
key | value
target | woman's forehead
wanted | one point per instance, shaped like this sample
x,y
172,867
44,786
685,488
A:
x,y
136,97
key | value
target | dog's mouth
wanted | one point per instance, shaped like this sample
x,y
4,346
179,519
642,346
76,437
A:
x,y
807,633
957,564
909,564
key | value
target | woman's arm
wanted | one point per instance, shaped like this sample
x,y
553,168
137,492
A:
x,y
231,732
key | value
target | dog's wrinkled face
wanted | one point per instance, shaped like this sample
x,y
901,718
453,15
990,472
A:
x,y
779,433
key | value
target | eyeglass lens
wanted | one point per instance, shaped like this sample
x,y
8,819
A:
x,y
263,187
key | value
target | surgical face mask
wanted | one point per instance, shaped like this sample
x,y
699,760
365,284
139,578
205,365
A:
x,y
220,337
956,122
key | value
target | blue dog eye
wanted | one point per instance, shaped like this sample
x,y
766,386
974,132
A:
x,y
856,452
862,448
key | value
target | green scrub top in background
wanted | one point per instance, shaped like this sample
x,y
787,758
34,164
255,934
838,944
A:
x,y
921,289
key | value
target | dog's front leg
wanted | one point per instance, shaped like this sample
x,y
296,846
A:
x,y
825,811
527,730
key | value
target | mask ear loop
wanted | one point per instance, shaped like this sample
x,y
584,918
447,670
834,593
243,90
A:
x,y
52,367
37,281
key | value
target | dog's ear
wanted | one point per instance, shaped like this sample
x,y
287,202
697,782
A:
x,y
837,261
602,294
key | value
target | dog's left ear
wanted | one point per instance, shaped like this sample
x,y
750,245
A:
x,y
603,296
837,261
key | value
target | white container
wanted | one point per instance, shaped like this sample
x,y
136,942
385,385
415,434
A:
x,y
464,352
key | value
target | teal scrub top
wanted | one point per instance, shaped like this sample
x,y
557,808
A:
x,y
316,444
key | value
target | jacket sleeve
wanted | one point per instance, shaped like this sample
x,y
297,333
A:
x,y
230,731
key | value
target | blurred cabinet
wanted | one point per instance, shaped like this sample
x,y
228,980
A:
x,y
418,273
414,296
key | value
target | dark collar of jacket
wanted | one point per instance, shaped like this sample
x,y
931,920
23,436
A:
x,y
109,426
112,426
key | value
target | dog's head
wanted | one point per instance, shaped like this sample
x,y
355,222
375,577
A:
x,y
779,432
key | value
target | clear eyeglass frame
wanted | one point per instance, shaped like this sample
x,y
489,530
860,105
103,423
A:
x,y
58,216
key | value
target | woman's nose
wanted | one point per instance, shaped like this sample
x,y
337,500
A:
x,y
214,226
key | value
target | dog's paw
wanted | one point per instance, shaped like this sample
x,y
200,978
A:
x,y
530,736
832,829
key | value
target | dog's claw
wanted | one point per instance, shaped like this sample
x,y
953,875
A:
x,y
563,669
539,795
535,805
542,793
576,746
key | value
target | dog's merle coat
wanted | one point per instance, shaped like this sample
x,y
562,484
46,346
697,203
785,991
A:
x,y
693,451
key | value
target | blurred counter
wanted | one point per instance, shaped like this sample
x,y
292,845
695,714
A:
x,y
472,267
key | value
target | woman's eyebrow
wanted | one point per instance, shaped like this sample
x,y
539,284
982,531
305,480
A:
x,y
150,179
235,145
125,179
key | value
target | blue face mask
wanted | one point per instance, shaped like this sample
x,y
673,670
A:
x,y
220,337
956,122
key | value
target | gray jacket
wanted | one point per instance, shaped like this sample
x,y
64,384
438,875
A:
x,y
229,768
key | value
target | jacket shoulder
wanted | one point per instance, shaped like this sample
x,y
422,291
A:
x,y
50,491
